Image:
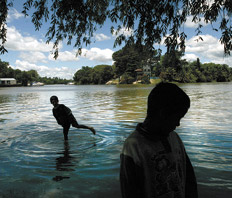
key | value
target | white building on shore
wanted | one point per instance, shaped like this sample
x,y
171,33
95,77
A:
x,y
7,81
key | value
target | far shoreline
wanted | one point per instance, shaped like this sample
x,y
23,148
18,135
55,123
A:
x,y
136,84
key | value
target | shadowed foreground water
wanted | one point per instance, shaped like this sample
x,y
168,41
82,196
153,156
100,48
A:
x,y
36,162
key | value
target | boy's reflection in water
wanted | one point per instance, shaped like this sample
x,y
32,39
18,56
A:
x,y
64,163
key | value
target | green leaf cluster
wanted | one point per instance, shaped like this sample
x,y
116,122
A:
x,y
149,21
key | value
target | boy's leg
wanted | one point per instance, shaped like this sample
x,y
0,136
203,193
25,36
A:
x,y
65,131
76,125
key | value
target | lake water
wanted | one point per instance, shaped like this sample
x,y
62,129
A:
x,y
36,162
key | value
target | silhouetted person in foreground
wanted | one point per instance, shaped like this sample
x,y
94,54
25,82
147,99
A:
x,y
65,118
154,163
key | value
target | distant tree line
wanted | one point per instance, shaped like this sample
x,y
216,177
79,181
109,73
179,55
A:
x,y
27,77
168,67
172,67
53,80
99,74
126,61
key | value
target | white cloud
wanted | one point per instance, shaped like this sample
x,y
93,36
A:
x,y
65,56
125,31
33,57
33,50
210,49
13,14
101,37
208,44
17,42
190,24
63,72
25,66
190,57
93,54
97,54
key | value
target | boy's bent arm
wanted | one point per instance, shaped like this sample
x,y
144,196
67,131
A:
x,y
56,118
191,182
131,178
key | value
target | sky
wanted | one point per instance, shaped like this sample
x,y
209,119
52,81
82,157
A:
x,y
27,48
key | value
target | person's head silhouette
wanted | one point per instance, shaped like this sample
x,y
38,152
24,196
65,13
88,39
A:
x,y
167,104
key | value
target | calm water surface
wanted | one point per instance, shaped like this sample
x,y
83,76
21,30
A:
x,y
36,162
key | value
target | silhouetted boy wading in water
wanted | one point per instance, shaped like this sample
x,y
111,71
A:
x,y
154,163
65,117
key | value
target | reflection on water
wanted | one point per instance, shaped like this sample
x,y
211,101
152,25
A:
x,y
126,99
64,163
36,162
